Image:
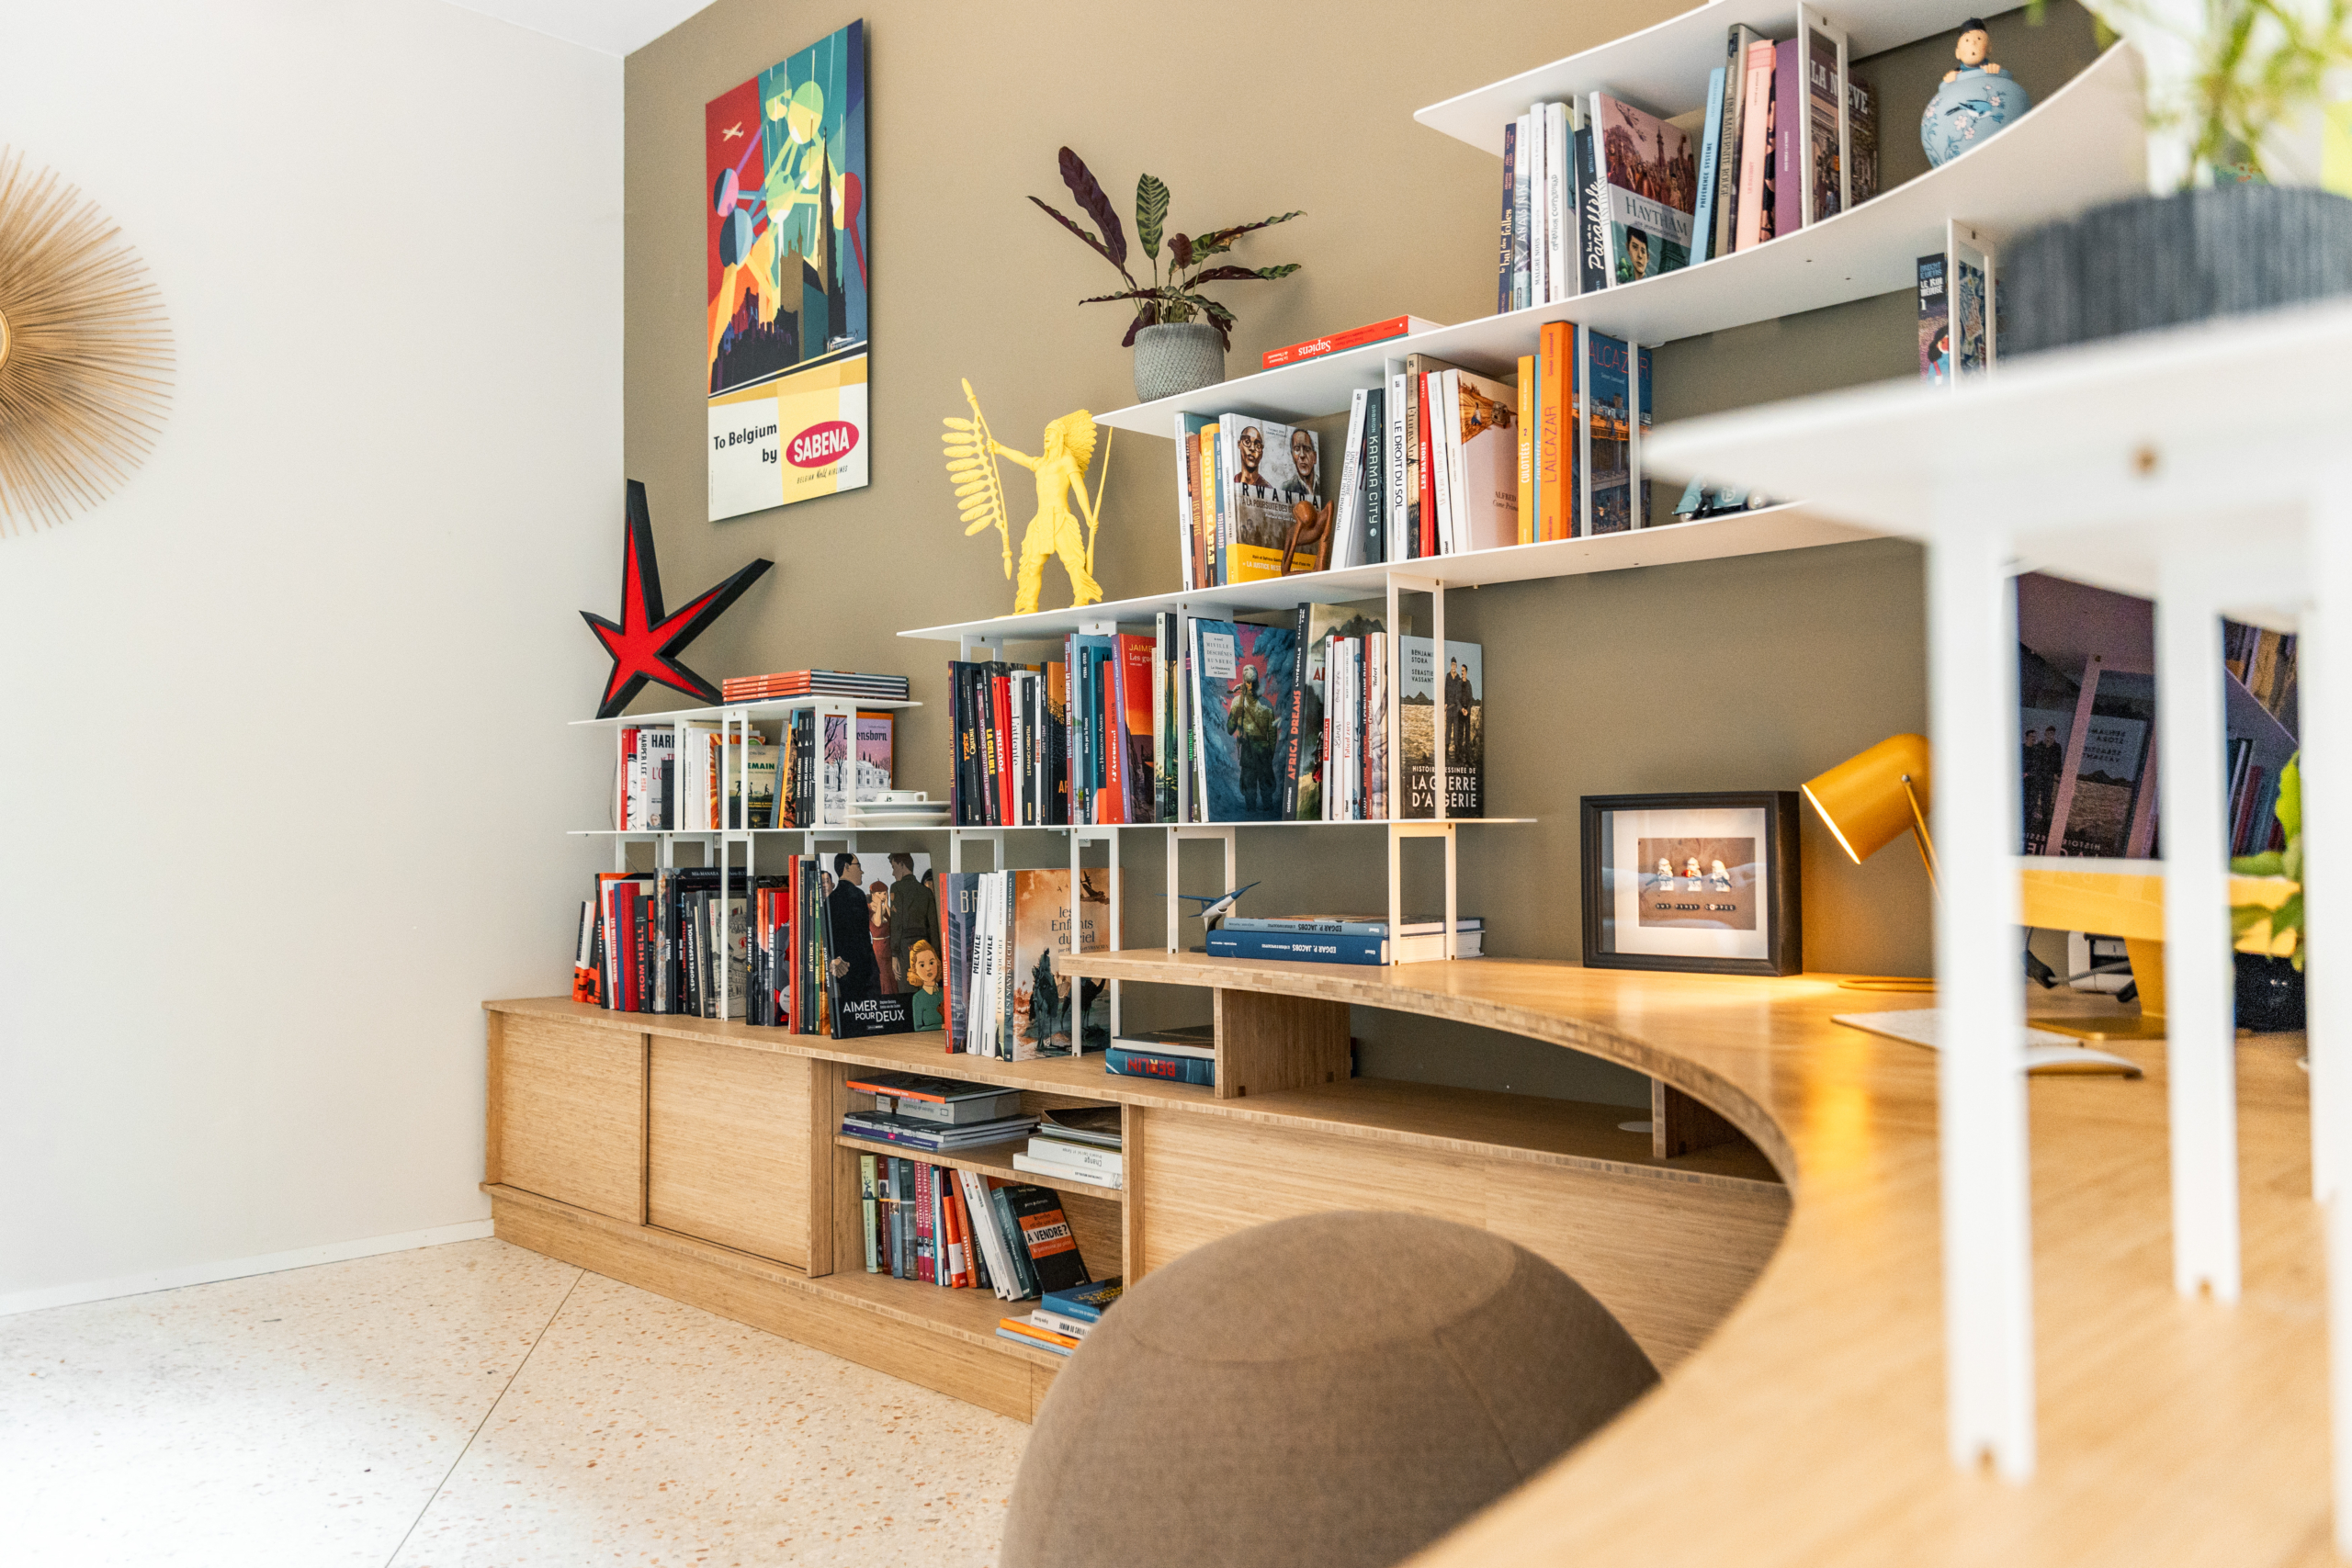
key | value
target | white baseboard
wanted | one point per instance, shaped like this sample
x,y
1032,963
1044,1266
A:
x,y
238,1268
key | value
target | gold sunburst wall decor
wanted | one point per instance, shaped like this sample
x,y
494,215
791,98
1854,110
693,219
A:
x,y
85,353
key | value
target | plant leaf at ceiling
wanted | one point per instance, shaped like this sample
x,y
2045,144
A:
x,y
85,353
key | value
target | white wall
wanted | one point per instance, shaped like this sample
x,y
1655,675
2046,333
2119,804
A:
x,y
283,764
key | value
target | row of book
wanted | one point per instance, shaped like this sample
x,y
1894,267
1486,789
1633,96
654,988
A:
x,y
853,684
1283,722
696,776
1598,192
960,1230
1004,999
2252,796
1437,462
2264,663
793,950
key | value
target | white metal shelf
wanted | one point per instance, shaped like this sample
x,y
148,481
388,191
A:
x,y
1664,68
767,708
1741,534
2082,144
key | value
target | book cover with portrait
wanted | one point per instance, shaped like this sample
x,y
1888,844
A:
x,y
1652,189
1242,686
1266,471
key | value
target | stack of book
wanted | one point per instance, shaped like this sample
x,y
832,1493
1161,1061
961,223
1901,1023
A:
x,y
1170,1056
1063,1318
960,1230
936,1115
1344,938
1598,192
813,684
1077,1146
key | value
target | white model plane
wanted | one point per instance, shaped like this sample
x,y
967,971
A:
x,y
1214,908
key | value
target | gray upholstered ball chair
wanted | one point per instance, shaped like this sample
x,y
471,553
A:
x,y
1335,1391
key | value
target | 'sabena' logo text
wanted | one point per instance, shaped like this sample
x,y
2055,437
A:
x,y
823,443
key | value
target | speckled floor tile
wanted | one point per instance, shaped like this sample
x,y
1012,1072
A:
x,y
302,1417
644,1432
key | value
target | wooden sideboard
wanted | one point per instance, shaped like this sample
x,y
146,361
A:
x,y
702,1160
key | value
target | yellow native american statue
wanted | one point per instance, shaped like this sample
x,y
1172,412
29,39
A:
x,y
1060,467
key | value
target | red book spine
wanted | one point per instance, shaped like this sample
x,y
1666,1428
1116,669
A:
x,y
1002,693
1111,801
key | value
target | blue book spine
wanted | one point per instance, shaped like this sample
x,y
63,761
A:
x,y
1710,147
1310,947
1502,263
1126,1064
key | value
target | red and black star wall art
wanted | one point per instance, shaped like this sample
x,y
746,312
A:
x,y
645,643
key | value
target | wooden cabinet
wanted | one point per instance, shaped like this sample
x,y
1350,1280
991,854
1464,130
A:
x,y
730,1144
567,1112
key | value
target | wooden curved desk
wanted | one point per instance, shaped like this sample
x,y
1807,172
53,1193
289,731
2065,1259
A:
x,y
1809,1428
1801,1421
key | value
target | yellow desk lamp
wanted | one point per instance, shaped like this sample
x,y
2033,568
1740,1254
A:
x,y
1870,800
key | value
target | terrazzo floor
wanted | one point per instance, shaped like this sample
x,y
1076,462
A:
x,y
473,1405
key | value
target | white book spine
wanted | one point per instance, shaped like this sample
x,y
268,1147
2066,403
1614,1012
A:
x,y
1347,519
1523,180
1183,505
1539,203
1559,173
1465,533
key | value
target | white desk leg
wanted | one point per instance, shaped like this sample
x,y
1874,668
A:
x,y
1987,1219
2326,675
2200,1045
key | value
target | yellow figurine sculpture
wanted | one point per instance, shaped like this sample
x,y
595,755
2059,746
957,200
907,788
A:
x,y
1060,468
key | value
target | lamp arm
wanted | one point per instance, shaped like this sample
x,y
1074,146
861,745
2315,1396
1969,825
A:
x,y
1919,831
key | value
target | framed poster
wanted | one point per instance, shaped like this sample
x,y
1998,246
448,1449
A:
x,y
786,269
1697,882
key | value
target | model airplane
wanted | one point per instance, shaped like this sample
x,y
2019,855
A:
x,y
1215,908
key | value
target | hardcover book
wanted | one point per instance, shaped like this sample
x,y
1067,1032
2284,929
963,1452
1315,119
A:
x,y
1756,171
1591,229
1241,675
1464,726
1609,390
1935,322
1862,135
1821,102
1126,1064
1484,467
1737,39
1702,216
1046,1237
1265,470
1651,184
1790,175
1319,624
1050,1013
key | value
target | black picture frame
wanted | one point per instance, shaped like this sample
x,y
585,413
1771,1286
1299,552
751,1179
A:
x,y
1777,882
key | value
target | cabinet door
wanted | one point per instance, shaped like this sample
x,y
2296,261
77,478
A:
x,y
728,1147
569,1110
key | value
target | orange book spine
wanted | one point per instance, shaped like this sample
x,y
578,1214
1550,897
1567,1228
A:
x,y
1554,349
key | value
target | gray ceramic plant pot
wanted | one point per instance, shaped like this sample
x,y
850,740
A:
x,y
1178,359
2151,262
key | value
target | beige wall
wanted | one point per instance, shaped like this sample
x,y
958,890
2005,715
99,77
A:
x,y
1735,675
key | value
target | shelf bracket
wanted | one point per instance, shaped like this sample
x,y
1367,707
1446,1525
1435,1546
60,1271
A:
x,y
1177,834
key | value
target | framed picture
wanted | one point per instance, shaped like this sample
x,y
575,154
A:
x,y
1697,882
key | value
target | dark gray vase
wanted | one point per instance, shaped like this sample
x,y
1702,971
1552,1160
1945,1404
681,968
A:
x,y
2151,262
1182,356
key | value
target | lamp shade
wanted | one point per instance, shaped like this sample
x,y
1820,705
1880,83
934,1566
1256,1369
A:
x,y
1861,798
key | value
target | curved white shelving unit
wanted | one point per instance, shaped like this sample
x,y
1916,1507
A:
x,y
1741,534
2084,144
1664,68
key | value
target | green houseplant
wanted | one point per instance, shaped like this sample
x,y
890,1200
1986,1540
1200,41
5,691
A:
x,y
2266,918
1179,334
2237,216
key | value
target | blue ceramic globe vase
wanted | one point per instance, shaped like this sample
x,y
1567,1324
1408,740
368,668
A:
x,y
1968,109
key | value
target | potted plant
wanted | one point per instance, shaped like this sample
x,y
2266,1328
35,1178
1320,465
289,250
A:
x,y
2233,219
2267,918
1175,352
